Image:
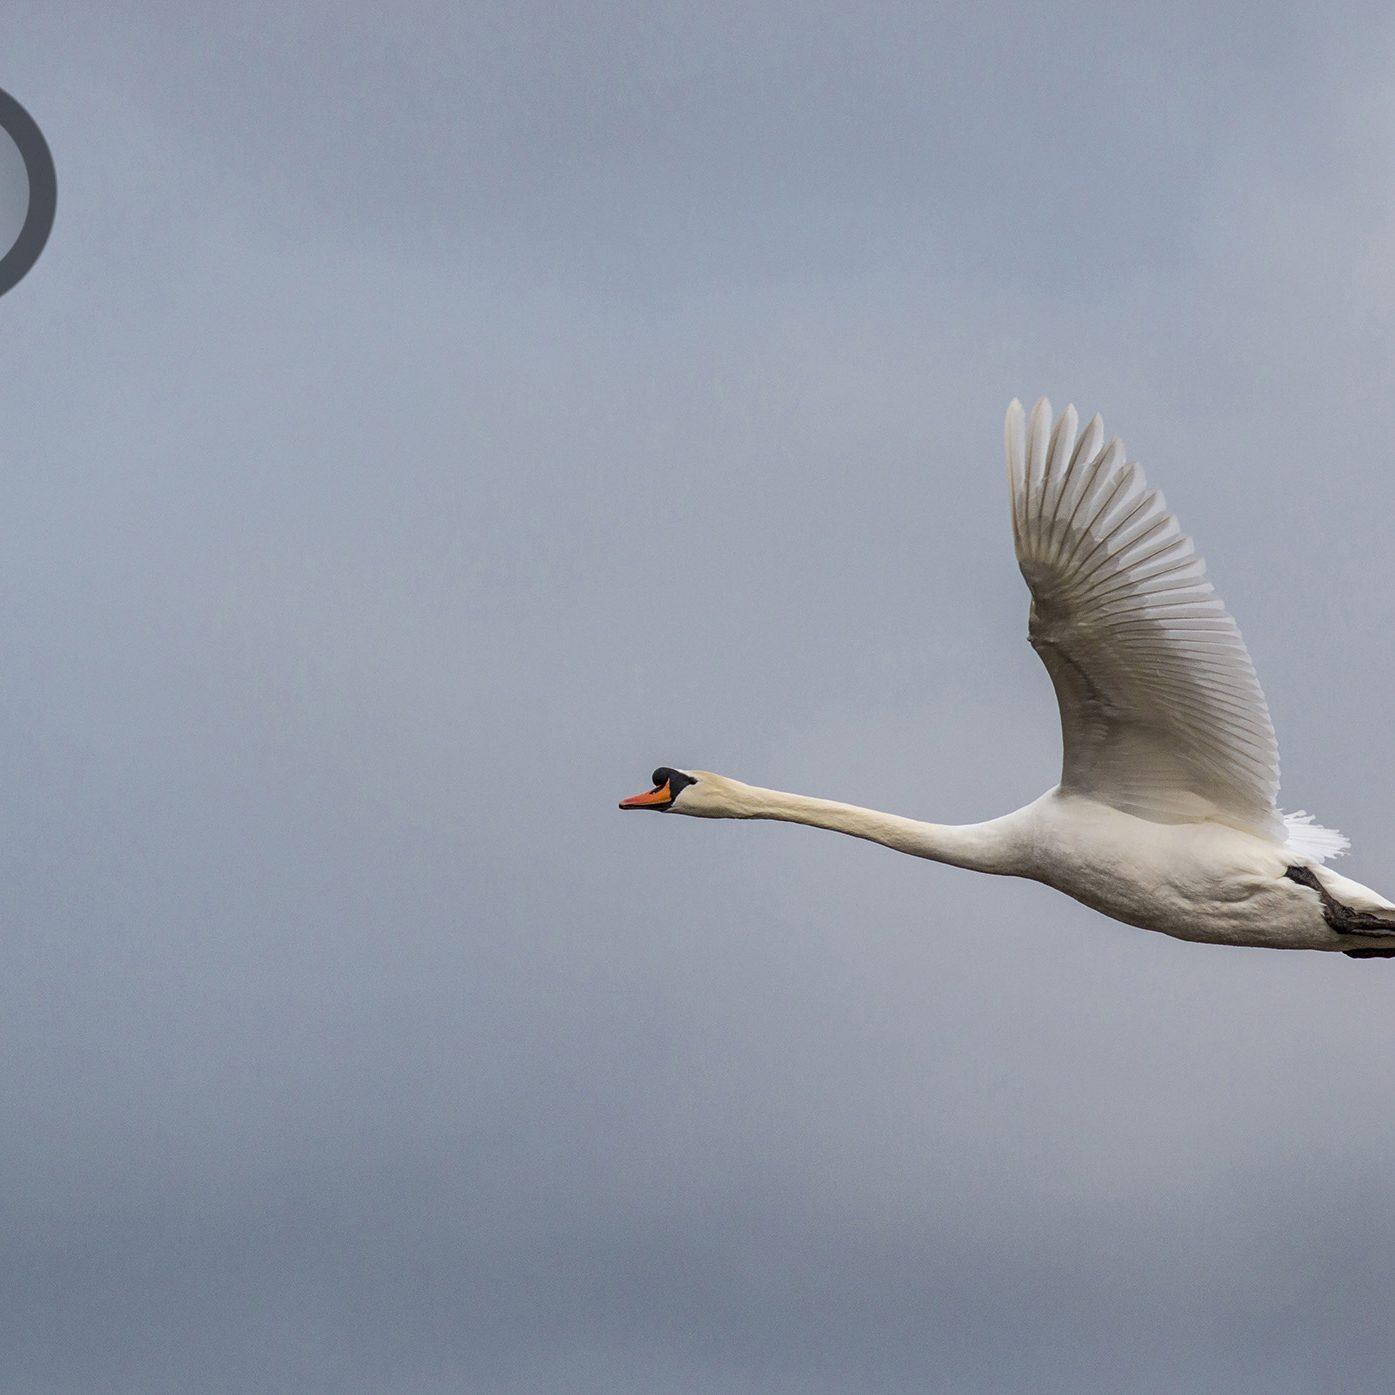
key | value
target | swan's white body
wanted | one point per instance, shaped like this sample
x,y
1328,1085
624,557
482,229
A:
x,y
1165,816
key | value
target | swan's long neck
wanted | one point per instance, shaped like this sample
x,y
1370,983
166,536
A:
x,y
981,847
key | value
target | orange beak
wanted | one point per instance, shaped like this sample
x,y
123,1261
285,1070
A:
x,y
646,801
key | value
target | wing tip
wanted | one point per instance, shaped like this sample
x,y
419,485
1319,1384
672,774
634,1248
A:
x,y
1015,437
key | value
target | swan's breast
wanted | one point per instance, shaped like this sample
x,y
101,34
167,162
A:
x,y
1196,881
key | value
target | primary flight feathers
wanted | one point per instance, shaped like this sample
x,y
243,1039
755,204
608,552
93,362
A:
x,y
1161,713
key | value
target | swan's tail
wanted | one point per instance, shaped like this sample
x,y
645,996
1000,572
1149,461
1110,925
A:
x,y
1312,840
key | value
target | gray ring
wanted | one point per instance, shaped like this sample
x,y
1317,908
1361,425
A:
x,y
43,192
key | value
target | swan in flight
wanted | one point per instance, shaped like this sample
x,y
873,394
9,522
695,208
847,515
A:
x,y
1165,815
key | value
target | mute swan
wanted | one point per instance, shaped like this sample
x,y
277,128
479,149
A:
x,y
1165,815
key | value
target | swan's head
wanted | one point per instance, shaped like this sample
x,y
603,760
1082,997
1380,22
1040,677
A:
x,y
696,792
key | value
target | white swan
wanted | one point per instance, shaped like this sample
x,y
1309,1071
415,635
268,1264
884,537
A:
x,y
1165,815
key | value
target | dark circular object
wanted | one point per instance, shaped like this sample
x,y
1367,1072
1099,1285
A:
x,y
43,192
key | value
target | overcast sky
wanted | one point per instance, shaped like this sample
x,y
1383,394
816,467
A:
x,y
425,421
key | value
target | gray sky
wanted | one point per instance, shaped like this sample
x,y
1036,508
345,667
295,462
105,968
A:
x,y
14,192
422,423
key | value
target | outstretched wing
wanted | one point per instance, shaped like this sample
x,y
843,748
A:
x,y
1161,713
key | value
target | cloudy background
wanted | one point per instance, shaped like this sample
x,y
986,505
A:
x,y
424,422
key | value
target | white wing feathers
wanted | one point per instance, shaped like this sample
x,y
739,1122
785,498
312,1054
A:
x,y
1313,841
1161,713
